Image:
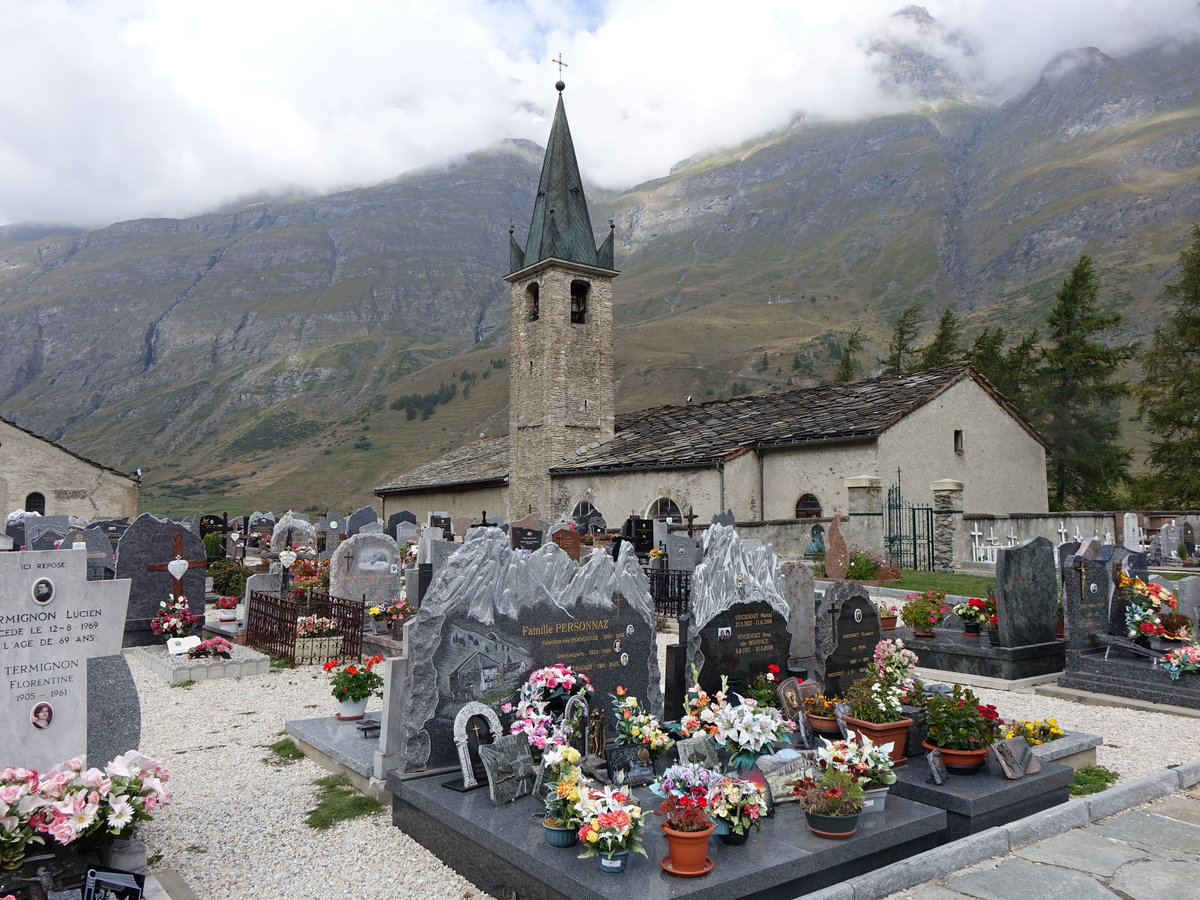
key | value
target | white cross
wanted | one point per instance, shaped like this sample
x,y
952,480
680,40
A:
x,y
1012,538
976,534
1062,532
1078,536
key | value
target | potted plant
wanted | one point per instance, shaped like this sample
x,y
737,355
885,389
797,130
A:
x,y
353,684
1036,732
385,615
736,806
993,626
832,801
762,688
687,827
888,613
174,619
820,712
637,728
611,822
924,611
869,763
876,700
962,728
563,785
974,612
748,731
226,609
213,647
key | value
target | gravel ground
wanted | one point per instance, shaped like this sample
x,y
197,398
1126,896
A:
x,y
236,827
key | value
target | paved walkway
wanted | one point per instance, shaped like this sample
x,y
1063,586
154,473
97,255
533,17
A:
x,y
1149,852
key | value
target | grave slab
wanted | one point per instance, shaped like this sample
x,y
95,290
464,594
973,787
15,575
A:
x,y
179,669
949,651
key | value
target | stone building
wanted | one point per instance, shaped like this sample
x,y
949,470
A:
x,y
791,455
38,475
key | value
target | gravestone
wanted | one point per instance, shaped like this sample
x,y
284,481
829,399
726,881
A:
x,y
66,691
726,518
329,536
210,524
393,520
46,532
1088,589
493,617
366,567
1026,593
1171,536
569,541
293,532
797,586
358,519
526,533
837,557
739,615
151,542
1187,592
460,525
101,561
847,632
112,529
407,531
682,552
441,521
262,583
1089,548
405,516
1131,532
1189,538
509,767
370,528
1154,552
6,543
1062,551
640,532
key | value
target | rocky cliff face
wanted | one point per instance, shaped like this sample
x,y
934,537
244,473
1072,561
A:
x,y
175,337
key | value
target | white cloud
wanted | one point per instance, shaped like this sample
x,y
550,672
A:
x,y
124,108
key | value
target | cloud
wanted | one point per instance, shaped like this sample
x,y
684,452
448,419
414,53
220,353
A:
x,y
117,109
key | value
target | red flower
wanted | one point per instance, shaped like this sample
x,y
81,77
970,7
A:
x,y
351,670
993,620
773,669
1147,627
975,602
332,664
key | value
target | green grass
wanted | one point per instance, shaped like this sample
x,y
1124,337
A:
x,y
959,585
1091,779
337,802
183,684
283,753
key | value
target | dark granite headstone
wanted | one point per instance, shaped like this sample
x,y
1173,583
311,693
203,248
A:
x,y
395,519
1063,551
359,518
682,552
1026,593
847,632
1189,538
525,538
148,542
101,562
46,532
1087,590
210,524
112,529
1187,592
641,533
740,643
1089,548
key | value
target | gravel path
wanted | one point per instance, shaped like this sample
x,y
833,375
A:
x,y
236,827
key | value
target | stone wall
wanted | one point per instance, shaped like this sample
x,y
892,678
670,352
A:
x,y
71,485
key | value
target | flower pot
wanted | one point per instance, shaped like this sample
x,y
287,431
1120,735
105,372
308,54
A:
x,y
876,800
994,637
613,863
923,634
351,710
227,615
894,732
971,630
379,627
730,839
560,837
835,827
687,852
827,724
961,762
128,854
887,623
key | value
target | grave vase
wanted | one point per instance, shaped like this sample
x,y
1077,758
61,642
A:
x,y
687,852
994,637
835,827
560,837
971,630
227,615
351,710
895,733
613,863
876,800
729,839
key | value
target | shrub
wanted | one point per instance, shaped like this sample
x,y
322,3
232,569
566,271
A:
x,y
212,545
229,577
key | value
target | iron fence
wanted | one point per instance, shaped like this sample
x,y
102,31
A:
x,y
305,627
671,591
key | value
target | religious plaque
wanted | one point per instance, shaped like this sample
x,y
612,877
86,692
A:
x,y
475,726
937,766
784,767
791,702
509,768
1016,758
700,749
630,765
112,884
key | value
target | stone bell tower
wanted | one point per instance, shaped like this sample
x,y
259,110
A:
x,y
560,391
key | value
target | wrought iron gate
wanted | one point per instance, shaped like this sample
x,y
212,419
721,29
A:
x,y
909,536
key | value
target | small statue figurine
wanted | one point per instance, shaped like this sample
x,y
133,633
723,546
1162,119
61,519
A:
x,y
595,765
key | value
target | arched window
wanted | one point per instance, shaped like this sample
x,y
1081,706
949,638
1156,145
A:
x,y
532,306
808,507
665,508
579,298
587,518
35,502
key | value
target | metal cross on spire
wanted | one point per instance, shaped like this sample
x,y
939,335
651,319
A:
x,y
561,65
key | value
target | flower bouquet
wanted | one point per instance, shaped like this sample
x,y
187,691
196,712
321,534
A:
x,y
174,619
563,785
395,610
611,822
541,702
1036,732
975,611
213,647
310,574
869,763
737,804
355,681
1181,660
317,626
762,688
226,603
638,728
1144,603
1176,627
700,710
748,731
19,798
684,779
924,611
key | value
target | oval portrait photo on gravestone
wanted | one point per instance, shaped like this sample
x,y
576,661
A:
x,y
42,591
41,716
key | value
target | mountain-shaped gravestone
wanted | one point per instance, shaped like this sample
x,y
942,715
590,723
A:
x,y
146,548
847,632
494,615
1026,593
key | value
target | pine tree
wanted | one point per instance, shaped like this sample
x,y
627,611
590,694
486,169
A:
x,y
848,368
1075,402
902,350
1169,399
946,345
1012,370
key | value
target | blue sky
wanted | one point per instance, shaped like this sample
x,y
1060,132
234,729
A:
x,y
117,109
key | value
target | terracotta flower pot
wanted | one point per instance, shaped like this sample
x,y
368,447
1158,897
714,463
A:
x,y
895,733
961,762
923,634
887,623
823,723
687,852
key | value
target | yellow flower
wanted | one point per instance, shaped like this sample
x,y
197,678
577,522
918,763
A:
x,y
593,836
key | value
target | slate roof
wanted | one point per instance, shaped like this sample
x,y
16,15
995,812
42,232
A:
x,y
90,462
697,435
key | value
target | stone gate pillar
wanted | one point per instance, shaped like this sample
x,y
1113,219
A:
x,y
865,528
947,519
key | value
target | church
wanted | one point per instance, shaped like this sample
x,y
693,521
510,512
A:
x,y
783,456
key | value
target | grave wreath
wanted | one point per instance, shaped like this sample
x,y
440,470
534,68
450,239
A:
x,y
1144,603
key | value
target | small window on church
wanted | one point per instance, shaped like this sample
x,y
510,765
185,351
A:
x,y
36,502
808,507
665,508
958,441
532,305
579,298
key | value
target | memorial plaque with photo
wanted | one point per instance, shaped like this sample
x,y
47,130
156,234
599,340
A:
x,y
857,633
740,643
525,538
782,768
631,765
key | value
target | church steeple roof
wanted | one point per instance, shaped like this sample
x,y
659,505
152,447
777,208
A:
x,y
560,227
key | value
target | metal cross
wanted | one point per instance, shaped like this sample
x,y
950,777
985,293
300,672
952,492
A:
x,y
177,549
561,65
1062,532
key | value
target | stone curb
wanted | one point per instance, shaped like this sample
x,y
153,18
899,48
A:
x,y
949,858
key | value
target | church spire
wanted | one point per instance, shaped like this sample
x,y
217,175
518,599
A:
x,y
560,227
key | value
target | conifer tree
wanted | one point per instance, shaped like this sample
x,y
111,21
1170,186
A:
x,y
1012,370
946,345
1075,402
1169,400
902,348
847,369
